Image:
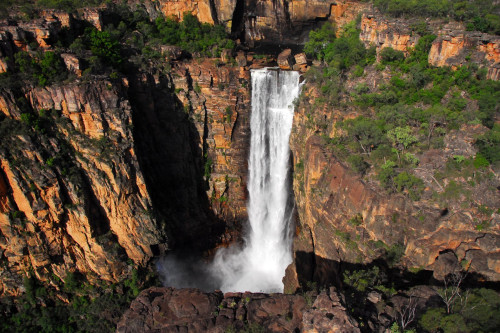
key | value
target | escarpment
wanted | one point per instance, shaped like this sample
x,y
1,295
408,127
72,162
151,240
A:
x,y
97,173
75,196
346,221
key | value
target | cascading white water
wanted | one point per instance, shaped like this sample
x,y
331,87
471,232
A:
x,y
260,265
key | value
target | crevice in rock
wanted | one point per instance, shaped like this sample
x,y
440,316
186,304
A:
x,y
170,155
238,21
213,12
97,217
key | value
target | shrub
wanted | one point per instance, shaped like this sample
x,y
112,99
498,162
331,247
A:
x,y
386,175
45,67
365,132
104,46
489,147
361,280
410,183
358,164
389,55
318,41
480,161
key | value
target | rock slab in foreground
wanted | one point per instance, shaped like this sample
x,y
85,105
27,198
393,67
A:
x,y
191,310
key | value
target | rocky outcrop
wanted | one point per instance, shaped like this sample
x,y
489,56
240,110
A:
x,y
200,8
75,196
217,99
384,33
456,48
190,310
267,21
453,47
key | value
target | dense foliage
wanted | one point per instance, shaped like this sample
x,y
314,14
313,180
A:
x,y
90,308
482,15
132,41
44,67
193,36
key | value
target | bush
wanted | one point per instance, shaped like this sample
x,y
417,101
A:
x,y
193,36
489,147
389,55
358,164
365,132
104,46
413,185
318,41
361,280
45,67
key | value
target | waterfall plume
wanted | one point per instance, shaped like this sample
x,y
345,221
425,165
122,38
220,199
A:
x,y
259,264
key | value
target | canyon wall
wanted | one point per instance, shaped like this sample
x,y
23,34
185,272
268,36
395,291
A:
x,y
345,222
97,174
74,197
453,47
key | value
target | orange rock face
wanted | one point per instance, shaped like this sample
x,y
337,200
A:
x,y
342,218
220,104
89,221
457,48
199,8
381,33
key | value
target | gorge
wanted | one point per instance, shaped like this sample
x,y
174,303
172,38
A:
x,y
127,136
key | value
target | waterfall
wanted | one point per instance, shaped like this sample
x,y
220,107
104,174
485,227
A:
x,y
260,265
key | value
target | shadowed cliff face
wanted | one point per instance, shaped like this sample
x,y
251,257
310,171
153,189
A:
x,y
169,157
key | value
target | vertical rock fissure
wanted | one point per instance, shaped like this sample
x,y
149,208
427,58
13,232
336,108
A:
x,y
238,21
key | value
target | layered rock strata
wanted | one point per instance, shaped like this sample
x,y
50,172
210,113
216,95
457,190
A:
x,y
74,197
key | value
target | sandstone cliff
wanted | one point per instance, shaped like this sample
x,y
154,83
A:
x,y
344,220
74,196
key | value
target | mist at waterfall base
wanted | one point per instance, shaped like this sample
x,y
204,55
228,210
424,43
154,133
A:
x,y
259,264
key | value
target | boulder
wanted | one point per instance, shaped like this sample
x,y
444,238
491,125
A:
x,y
285,59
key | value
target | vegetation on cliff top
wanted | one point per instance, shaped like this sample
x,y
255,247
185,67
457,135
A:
x,y
478,15
404,117
129,41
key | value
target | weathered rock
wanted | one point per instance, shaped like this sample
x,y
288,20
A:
x,y
446,263
241,59
226,55
300,59
200,8
220,113
384,33
285,59
93,220
328,196
172,52
190,310
456,48
328,315
72,63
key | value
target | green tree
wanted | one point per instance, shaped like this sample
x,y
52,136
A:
x,y
319,41
365,132
102,45
389,55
